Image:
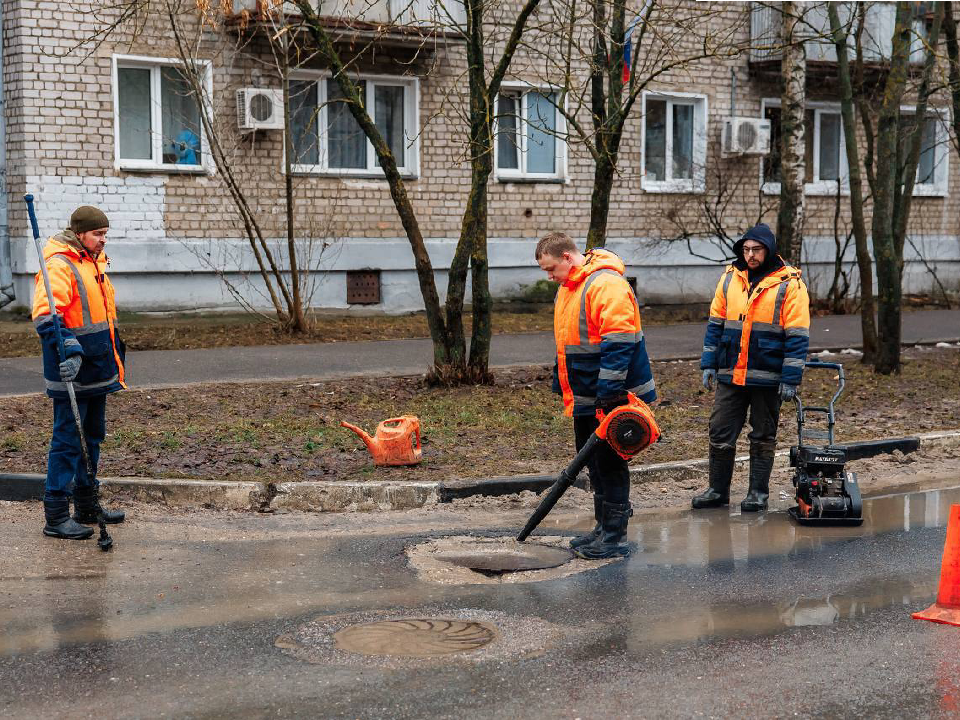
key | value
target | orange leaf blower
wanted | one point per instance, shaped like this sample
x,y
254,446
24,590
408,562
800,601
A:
x,y
397,441
627,429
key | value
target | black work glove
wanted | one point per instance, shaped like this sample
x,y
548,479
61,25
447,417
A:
x,y
611,402
787,392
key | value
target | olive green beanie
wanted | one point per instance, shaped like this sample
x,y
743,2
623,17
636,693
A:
x,y
86,218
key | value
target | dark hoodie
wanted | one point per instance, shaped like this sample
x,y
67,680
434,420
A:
x,y
762,234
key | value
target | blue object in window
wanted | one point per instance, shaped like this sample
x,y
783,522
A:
x,y
186,147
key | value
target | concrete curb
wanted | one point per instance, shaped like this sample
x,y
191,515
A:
x,y
332,496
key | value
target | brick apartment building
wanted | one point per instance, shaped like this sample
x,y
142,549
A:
x,y
105,118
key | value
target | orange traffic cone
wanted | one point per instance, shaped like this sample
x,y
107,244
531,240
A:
x,y
947,607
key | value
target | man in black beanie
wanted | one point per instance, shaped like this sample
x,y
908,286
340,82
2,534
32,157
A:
x,y
93,363
754,350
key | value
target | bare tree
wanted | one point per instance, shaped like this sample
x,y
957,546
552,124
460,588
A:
x,y
587,45
793,77
895,179
868,326
446,328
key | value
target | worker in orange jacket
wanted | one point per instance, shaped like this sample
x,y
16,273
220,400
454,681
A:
x,y
755,347
93,362
601,356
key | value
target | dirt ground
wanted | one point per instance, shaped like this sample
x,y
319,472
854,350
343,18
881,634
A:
x,y
290,431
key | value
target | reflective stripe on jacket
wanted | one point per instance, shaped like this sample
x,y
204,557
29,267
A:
x,y
759,337
87,316
600,346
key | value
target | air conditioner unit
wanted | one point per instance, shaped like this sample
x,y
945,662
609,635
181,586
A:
x,y
259,109
745,136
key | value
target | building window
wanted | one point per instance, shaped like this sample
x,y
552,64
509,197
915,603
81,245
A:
x,y
529,129
327,139
157,117
825,156
932,170
674,142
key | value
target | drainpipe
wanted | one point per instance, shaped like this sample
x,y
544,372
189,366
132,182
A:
x,y
7,295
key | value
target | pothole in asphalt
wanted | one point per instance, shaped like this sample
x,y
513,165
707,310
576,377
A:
x,y
414,637
464,560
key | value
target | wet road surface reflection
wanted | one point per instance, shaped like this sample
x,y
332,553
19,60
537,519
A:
x,y
725,574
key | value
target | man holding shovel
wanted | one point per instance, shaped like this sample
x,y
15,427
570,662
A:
x,y
82,349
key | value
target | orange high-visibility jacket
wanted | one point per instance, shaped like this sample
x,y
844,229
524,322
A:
x,y
600,347
87,316
760,337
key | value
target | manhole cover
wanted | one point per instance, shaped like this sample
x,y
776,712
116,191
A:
x,y
507,559
415,637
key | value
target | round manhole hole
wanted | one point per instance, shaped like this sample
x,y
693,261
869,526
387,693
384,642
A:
x,y
415,637
495,560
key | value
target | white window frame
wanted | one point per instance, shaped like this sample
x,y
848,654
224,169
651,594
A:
x,y
156,164
940,187
560,132
409,165
818,187
698,183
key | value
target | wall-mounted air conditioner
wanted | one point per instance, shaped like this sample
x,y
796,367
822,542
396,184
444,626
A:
x,y
745,136
259,109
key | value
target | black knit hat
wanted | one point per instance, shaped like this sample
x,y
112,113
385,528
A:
x,y
86,218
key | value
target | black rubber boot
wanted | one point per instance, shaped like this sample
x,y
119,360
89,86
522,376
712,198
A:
x,y
610,542
60,524
595,533
722,461
761,465
86,504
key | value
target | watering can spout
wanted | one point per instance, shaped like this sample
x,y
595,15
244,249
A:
x,y
367,440
397,441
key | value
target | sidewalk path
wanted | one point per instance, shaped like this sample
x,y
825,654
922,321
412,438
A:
x,y
160,368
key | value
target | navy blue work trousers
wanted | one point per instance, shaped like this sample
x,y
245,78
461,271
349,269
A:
x,y
609,473
65,461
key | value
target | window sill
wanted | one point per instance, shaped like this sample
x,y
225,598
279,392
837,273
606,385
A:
x,y
931,192
378,175
686,187
166,169
827,189
528,180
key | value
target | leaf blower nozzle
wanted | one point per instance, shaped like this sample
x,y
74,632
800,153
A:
x,y
627,429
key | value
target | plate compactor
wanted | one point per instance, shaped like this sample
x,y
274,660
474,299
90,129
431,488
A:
x,y
826,493
628,429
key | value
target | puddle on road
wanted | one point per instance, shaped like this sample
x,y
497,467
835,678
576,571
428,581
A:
x,y
724,540
701,622
725,536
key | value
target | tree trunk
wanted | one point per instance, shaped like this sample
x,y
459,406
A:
x,y
297,321
884,242
793,79
953,56
868,327
909,172
603,173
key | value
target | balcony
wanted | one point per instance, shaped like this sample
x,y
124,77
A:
x,y
397,16
766,22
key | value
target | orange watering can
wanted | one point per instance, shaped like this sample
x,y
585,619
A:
x,y
397,441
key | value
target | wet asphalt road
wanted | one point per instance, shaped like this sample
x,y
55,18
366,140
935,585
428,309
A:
x,y
716,614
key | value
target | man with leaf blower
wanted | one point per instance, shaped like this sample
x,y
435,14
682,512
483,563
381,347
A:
x,y
601,356
755,346
82,349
